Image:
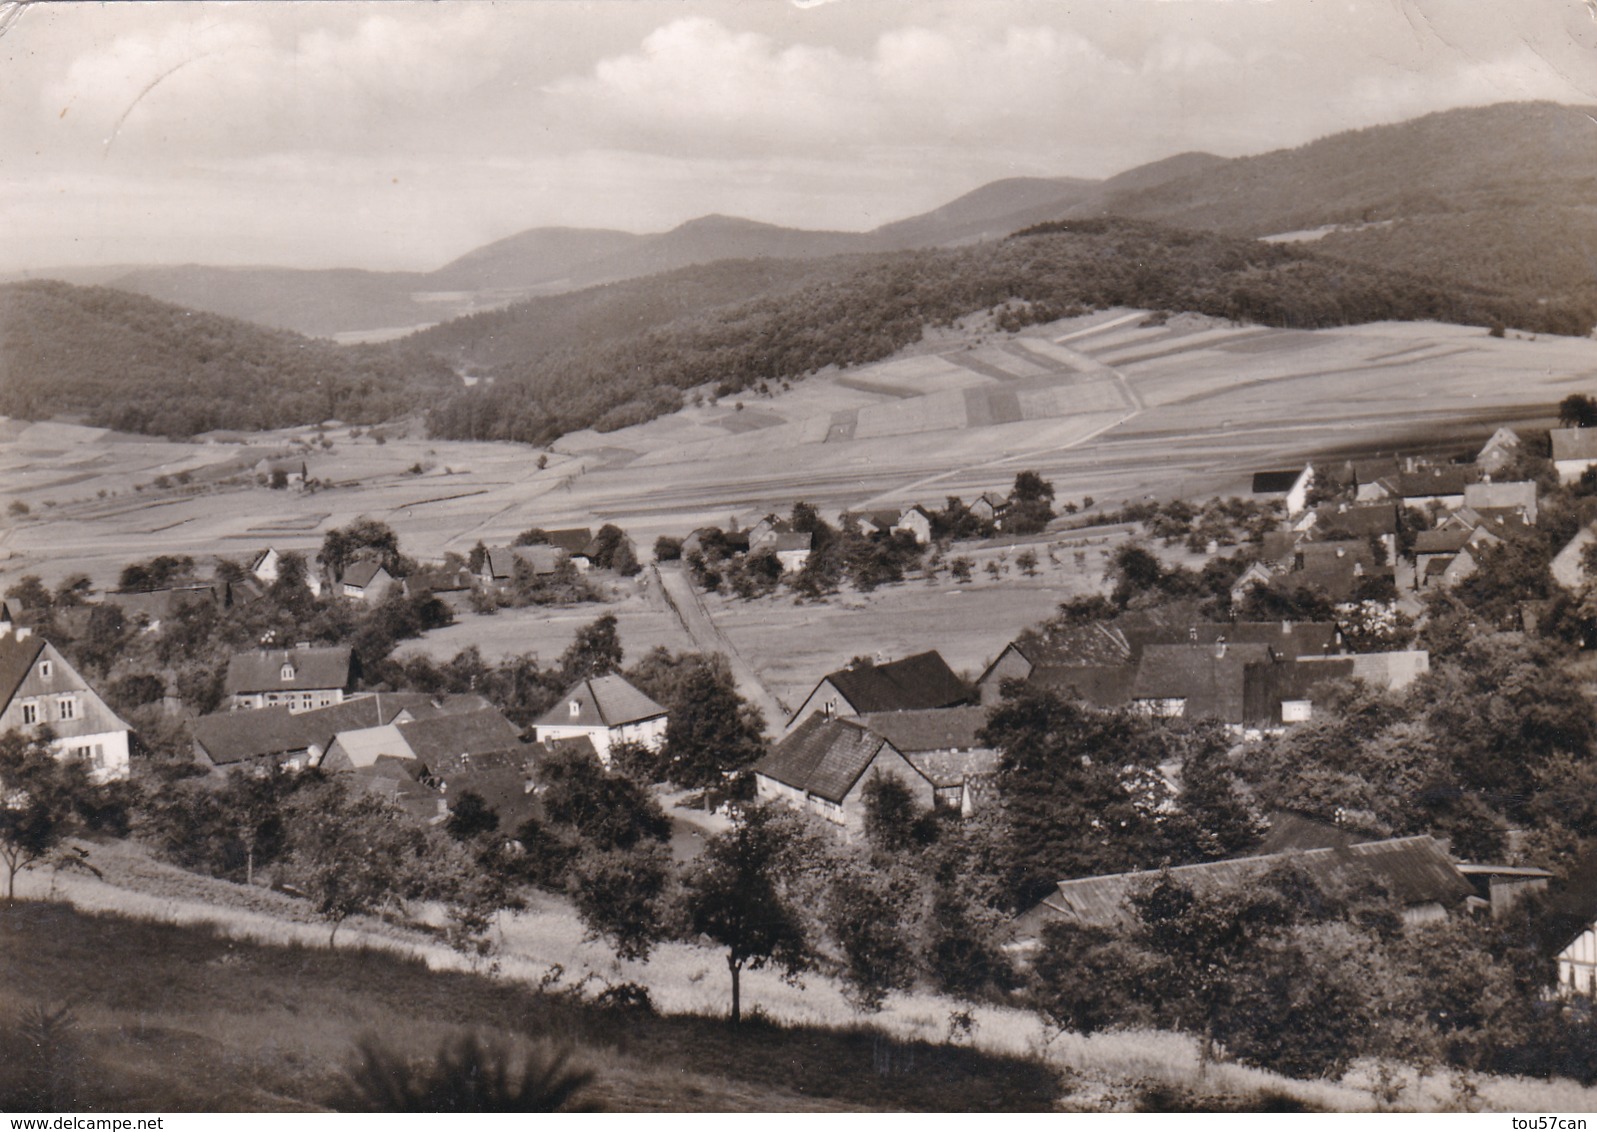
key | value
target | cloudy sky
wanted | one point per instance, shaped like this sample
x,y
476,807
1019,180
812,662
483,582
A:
x,y
392,135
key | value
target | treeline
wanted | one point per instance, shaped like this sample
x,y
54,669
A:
x,y
876,305
123,361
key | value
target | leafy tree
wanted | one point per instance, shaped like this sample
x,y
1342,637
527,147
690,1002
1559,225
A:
x,y
363,536
739,894
1027,561
711,730
893,822
1087,979
470,817
30,593
1577,411
961,568
596,651
667,549
623,895
870,914
351,854
39,797
607,811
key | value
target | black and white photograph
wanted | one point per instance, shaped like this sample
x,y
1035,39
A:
x,y
699,556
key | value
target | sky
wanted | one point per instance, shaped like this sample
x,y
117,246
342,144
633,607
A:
x,y
397,136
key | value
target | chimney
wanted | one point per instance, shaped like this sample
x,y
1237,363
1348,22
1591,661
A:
x,y
23,633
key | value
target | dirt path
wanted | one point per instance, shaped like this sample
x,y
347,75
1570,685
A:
x,y
707,637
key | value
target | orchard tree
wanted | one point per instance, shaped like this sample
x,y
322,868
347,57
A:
x,y
741,895
871,913
711,729
39,798
596,651
624,896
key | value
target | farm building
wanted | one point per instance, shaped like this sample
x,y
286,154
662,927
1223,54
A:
x,y
38,689
944,744
824,764
1569,564
1416,871
499,563
990,507
1440,484
277,736
1574,451
1445,571
433,740
452,585
1290,487
1392,671
1097,645
792,549
292,469
607,710
1499,452
917,521
265,564
299,678
872,522
152,607
365,580
1518,496
577,542
914,683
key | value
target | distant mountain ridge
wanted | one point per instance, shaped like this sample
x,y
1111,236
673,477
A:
x,y
1504,194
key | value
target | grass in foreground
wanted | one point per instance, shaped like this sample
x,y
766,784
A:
x,y
178,1018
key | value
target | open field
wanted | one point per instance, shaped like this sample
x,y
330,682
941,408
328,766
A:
x,y
1103,405
239,1005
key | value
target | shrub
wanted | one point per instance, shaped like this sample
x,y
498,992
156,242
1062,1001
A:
x,y
467,1074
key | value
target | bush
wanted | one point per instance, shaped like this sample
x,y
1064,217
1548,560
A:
x,y
467,1074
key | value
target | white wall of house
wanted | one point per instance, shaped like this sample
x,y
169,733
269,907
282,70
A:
x,y
303,699
1577,965
648,733
1571,470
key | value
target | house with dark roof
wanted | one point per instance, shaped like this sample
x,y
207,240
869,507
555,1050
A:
x,y
499,563
1095,645
878,522
39,688
945,745
438,739
577,542
914,683
1574,451
990,507
792,549
299,678
1441,484
231,741
824,764
1291,487
1508,495
366,580
292,469
1205,682
607,710
1416,872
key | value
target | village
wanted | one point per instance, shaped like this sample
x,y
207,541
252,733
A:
x,y
1206,706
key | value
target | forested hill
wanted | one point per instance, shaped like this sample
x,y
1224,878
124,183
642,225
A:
x,y
124,361
864,308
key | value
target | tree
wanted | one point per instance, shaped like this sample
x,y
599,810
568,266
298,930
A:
x,y
39,795
30,593
1027,561
739,894
351,855
622,895
596,651
606,811
711,729
869,913
1030,488
470,817
960,568
667,549
892,821
1577,411
342,545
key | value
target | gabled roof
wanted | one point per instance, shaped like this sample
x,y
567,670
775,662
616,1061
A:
x,y
1102,685
572,540
936,729
1574,443
824,757
1415,870
1442,542
440,579
913,683
1210,678
501,560
447,737
364,746
881,520
16,661
790,541
603,701
262,671
1095,644
1275,483
361,572
1332,521
1511,494
230,737
1439,479
157,605
1286,638
955,768
1291,831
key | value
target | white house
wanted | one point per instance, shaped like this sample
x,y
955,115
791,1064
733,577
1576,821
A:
x,y
38,688
299,679
1574,450
824,764
607,710
365,580
1291,487
918,522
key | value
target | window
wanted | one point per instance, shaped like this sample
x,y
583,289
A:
x,y
30,713
46,669
68,707
288,672
576,709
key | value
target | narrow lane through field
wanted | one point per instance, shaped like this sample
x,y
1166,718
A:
x,y
689,608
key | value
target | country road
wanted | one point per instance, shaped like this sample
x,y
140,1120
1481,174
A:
x,y
689,608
